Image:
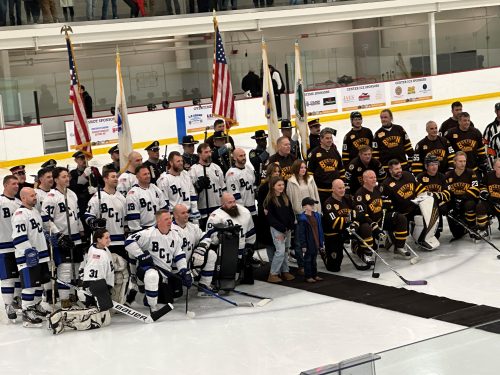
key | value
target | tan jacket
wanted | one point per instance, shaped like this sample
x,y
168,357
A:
x,y
293,192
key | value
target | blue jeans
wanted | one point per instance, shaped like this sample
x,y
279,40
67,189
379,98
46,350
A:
x,y
105,4
310,265
279,263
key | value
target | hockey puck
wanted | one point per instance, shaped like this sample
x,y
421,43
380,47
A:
x,y
376,275
191,314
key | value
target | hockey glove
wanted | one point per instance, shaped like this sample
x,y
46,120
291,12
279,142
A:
x,y
187,279
96,223
203,183
249,250
376,230
484,195
145,261
64,242
353,227
92,190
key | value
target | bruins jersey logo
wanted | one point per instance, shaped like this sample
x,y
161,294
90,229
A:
x,y
406,191
467,145
361,142
438,152
286,172
344,212
434,187
329,165
459,188
392,141
375,205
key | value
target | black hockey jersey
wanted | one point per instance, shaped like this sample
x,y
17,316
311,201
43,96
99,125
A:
x,y
285,162
368,206
470,142
353,141
393,143
465,185
436,185
397,194
326,166
337,215
355,170
440,147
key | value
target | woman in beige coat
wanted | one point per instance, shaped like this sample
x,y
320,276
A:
x,y
299,186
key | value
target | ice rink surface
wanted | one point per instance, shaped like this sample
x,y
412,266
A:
x,y
297,331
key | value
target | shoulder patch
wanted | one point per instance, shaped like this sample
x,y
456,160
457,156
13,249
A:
x,y
351,167
392,184
359,198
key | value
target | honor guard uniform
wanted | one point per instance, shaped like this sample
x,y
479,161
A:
x,y
357,137
189,157
286,130
20,172
114,153
221,152
314,130
258,156
156,165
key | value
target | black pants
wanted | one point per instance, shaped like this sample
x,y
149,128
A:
x,y
334,249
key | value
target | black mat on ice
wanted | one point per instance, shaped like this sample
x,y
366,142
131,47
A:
x,y
398,299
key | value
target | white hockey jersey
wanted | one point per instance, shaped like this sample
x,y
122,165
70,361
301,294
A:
x,y
142,204
27,227
191,236
218,186
125,182
54,214
98,264
113,209
244,219
165,249
40,196
241,183
8,206
178,189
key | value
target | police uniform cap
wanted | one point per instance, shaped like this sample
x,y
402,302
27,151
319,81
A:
x,y
219,134
189,140
313,122
155,146
497,107
79,154
17,169
51,163
259,134
113,149
286,124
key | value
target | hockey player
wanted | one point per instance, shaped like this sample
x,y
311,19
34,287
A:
x,y
9,275
59,209
492,130
336,219
97,273
209,183
189,157
143,200
433,144
232,214
20,173
283,157
156,165
452,122
32,257
286,130
114,153
240,181
200,257
469,140
314,134
128,179
358,165
221,152
402,193
392,142
357,137
177,186
491,192
258,156
464,188
325,163
371,219
159,248
45,183
435,183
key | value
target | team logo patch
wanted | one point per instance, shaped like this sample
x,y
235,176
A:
x,y
353,136
130,192
96,256
318,155
359,198
336,206
359,169
328,206
425,179
424,147
351,167
381,134
455,135
19,212
367,197
392,184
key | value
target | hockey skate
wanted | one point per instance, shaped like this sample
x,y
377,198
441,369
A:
x,y
204,293
40,311
31,319
17,303
11,313
368,259
400,253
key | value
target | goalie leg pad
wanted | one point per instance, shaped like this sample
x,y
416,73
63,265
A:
x,y
430,213
100,292
78,320
119,291
64,274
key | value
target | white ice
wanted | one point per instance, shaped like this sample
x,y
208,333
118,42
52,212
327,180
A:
x,y
298,330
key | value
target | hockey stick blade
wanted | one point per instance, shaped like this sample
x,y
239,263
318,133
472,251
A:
x,y
471,231
263,300
117,306
155,315
365,267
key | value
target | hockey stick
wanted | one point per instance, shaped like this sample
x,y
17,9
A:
x,y
71,250
263,300
52,271
416,258
357,266
119,307
376,275
407,282
206,290
471,231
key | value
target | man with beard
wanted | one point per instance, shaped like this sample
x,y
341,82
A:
x,y
258,156
240,181
364,161
231,214
433,144
156,165
208,181
392,142
177,186
128,179
283,157
356,138
325,163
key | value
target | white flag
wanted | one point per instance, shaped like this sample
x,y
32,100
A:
x,y
300,105
269,104
125,146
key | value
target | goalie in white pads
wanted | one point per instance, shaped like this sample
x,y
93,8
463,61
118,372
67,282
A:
x,y
97,273
178,187
159,246
32,257
200,257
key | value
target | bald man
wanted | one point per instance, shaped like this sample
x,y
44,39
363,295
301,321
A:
x,y
433,144
232,215
336,219
240,181
127,179
32,257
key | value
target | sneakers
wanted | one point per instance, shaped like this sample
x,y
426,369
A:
x,y
11,312
401,253
31,319
311,280
274,279
287,276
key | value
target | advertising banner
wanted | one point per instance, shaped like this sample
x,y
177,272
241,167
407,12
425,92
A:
x,y
361,97
411,90
103,131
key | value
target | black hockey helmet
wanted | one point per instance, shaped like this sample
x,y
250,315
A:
x,y
356,114
430,158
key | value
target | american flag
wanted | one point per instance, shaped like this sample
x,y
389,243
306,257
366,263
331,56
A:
x,y
223,99
81,130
